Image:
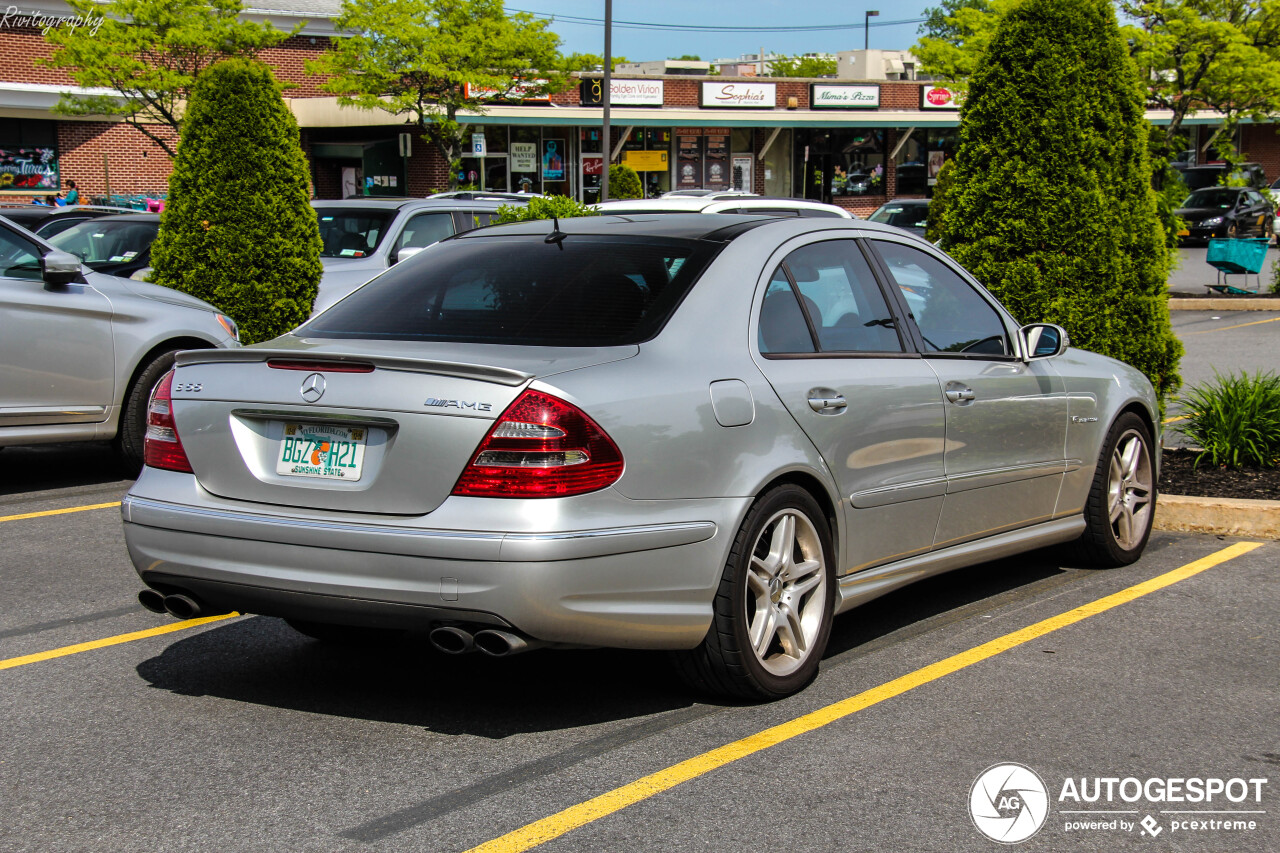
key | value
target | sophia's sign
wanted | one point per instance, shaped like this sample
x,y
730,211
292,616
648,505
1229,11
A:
x,y
740,95
828,97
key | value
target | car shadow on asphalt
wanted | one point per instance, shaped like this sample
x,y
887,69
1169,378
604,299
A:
x,y
261,660
42,467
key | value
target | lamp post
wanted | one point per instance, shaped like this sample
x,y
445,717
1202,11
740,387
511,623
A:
x,y
608,86
866,28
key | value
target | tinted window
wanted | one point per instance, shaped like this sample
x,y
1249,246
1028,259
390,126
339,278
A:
x,y
99,241
56,225
951,315
18,258
352,232
468,220
844,305
423,229
902,215
583,291
782,326
1221,198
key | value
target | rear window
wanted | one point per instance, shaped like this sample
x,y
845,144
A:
x,y
584,291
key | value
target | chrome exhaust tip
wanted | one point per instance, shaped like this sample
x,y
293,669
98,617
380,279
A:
x,y
182,606
501,644
153,600
452,641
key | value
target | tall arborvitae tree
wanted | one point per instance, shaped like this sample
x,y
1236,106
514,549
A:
x,y
1050,203
238,230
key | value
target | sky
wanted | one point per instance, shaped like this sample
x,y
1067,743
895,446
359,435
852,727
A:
x,y
759,23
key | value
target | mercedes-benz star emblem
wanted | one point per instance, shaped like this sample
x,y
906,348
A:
x,y
313,388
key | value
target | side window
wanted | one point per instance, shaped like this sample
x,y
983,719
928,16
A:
x,y
843,303
467,220
18,258
782,326
951,315
424,229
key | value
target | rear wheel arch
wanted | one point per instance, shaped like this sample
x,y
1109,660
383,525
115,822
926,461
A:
x,y
130,425
820,493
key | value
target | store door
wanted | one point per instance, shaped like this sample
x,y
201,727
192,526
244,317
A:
x,y
384,172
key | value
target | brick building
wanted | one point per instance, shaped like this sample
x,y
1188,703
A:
x,y
851,143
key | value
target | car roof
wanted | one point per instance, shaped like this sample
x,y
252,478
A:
x,y
689,226
714,205
483,195
905,201
415,203
121,217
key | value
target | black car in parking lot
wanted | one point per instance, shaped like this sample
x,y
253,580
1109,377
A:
x,y
1225,212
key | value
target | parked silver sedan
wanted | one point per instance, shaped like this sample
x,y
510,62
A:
x,y
705,434
81,351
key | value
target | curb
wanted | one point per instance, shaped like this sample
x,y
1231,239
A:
x,y
1240,303
1223,516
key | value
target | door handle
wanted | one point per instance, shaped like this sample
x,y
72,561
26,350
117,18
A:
x,y
959,394
829,405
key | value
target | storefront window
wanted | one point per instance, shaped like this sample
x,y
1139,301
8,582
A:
x,y
911,164
941,148
28,156
839,162
524,159
777,166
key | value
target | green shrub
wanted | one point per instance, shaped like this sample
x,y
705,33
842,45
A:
x,y
1051,205
238,229
624,183
1236,419
560,206
938,203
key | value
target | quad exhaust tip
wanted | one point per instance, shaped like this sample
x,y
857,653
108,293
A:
x,y
153,600
452,641
177,605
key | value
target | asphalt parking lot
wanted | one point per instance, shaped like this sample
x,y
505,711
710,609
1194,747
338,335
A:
x,y
239,734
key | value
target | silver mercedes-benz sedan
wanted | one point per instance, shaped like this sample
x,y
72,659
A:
x,y
704,434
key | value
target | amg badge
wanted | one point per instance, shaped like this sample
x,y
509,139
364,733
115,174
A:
x,y
458,404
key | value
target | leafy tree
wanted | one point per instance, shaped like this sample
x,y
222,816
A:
x,y
559,206
590,62
1050,203
432,59
624,183
688,57
802,66
1221,55
150,52
238,230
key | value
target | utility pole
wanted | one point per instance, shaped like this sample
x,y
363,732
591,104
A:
x,y
606,146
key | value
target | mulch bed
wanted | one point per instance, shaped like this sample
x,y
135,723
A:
x,y
1179,476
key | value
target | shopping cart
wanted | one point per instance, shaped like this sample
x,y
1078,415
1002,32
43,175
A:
x,y
1237,257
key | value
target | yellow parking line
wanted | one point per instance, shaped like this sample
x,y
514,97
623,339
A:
x,y
542,831
1238,326
112,641
57,511
1174,420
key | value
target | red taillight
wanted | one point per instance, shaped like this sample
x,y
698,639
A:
x,y
162,448
541,447
320,366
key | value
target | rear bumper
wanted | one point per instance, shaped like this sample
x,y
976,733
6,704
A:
x,y
634,574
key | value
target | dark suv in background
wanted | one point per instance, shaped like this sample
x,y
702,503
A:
x,y
1226,212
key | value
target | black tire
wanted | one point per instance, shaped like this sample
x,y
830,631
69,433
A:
x,y
727,663
133,419
1122,500
346,635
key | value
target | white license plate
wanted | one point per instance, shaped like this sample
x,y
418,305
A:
x,y
321,450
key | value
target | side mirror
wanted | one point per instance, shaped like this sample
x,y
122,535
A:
x,y
406,253
59,268
1043,340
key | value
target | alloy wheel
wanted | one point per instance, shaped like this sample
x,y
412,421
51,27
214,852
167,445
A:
x,y
786,592
1129,488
